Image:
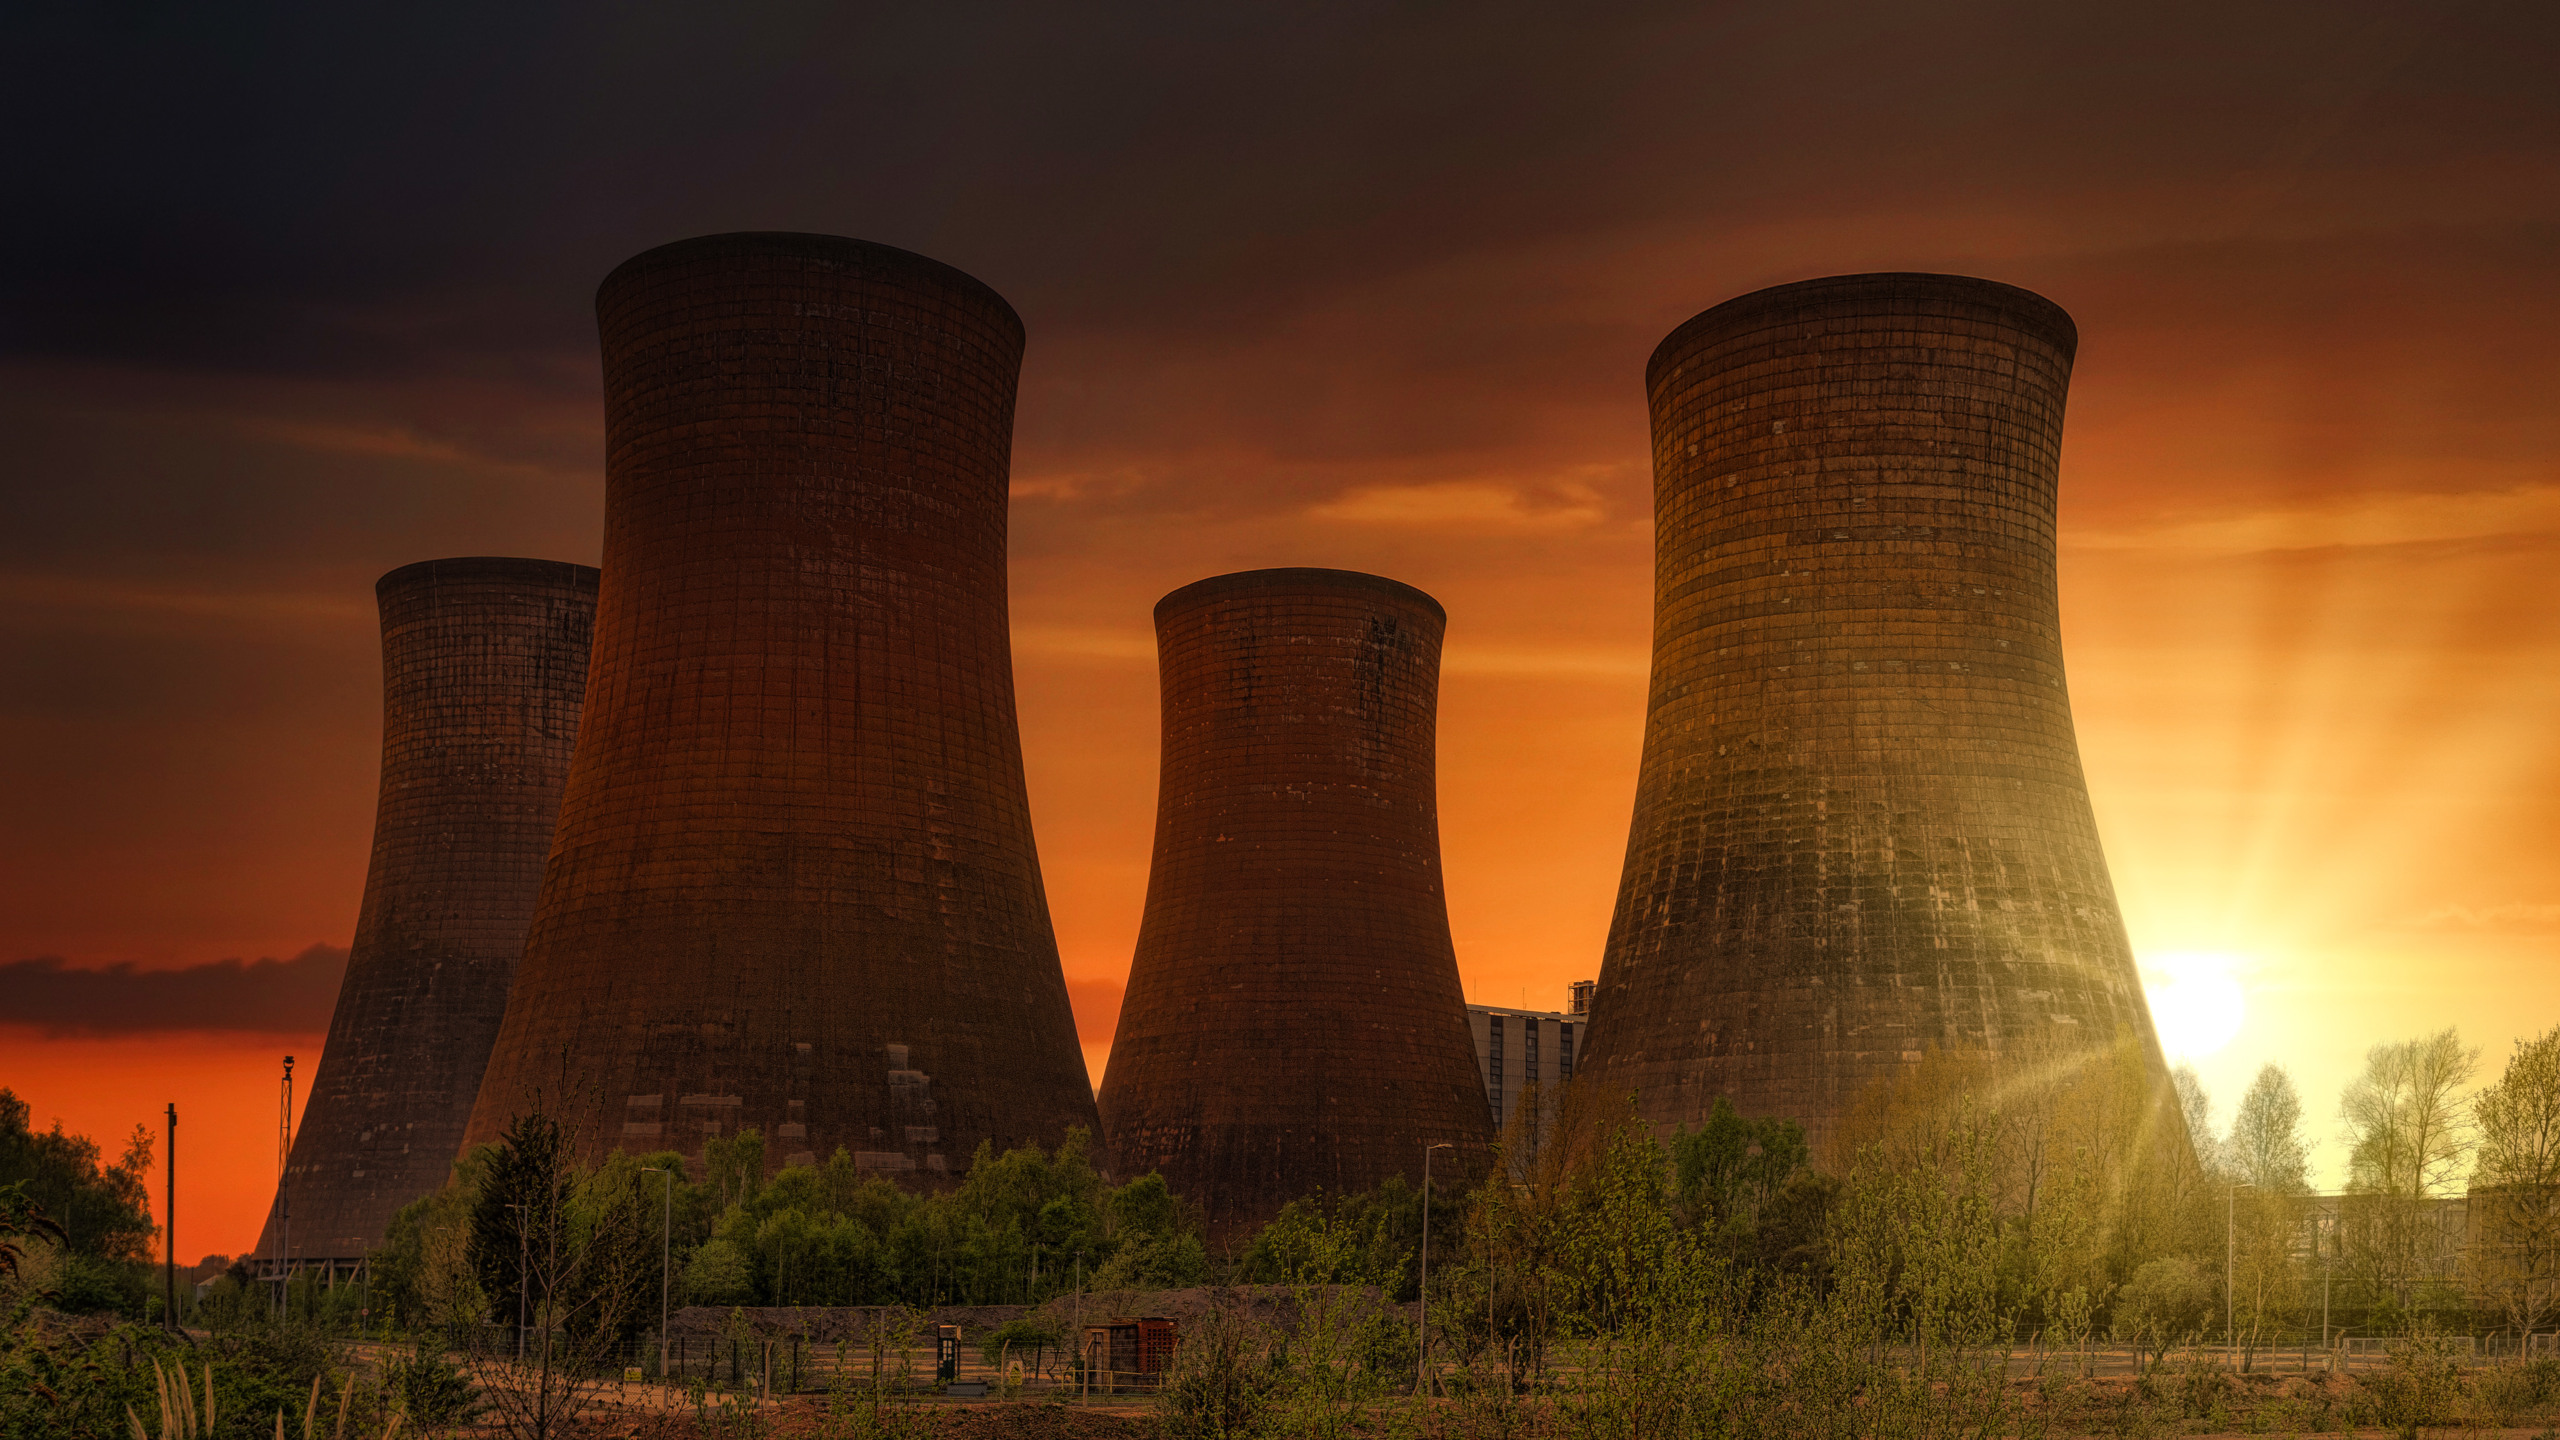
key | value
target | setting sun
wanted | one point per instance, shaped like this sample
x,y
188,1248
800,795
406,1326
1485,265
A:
x,y
2196,1000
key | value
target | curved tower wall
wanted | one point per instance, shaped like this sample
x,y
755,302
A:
x,y
1294,1020
484,665
794,886
1861,830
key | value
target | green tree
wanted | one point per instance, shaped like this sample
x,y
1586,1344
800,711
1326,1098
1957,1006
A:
x,y
102,1260
2409,1137
2166,1301
1731,1167
2514,1256
2268,1159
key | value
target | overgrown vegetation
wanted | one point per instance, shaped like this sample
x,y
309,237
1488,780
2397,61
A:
x,y
1020,1227
94,1253
1948,1263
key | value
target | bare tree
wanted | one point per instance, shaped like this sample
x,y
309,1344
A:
x,y
2514,1255
2195,1107
2408,1137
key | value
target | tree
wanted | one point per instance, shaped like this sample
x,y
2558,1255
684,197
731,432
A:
x,y
2268,1160
583,1248
1730,1167
2514,1255
2266,1147
2195,1107
2165,1302
2408,1137
101,1259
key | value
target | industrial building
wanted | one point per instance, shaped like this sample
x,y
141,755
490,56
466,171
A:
x,y
484,669
795,887
1518,1049
1861,830
1293,1020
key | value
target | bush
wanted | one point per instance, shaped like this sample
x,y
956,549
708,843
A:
x,y
1220,1388
430,1389
2165,1301
1022,1337
2421,1386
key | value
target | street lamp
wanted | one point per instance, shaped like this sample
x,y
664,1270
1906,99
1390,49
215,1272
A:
x,y
666,1262
1422,1357
2231,1268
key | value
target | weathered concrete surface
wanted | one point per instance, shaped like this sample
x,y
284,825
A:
x,y
1294,1020
795,886
1861,830
484,666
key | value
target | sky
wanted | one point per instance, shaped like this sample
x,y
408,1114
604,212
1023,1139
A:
x,y
289,300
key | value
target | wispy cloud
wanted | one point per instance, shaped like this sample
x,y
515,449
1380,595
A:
x,y
25,590
1546,661
1097,1008
1068,642
2501,919
265,996
388,442
1465,505
2363,520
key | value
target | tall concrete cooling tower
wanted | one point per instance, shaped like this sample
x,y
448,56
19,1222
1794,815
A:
x,y
794,887
1293,1020
1860,829
484,663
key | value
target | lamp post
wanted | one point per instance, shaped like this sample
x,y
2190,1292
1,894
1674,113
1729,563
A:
x,y
2231,1268
666,1262
1422,1331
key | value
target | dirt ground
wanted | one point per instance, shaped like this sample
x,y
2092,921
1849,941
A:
x,y
2110,1409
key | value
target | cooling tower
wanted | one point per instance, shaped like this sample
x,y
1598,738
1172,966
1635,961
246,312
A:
x,y
794,887
484,662
1293,1020
1861,831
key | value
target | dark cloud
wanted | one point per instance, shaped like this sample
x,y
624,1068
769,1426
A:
x,y
283,997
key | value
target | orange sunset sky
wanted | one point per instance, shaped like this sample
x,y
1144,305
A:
x,y
1362,287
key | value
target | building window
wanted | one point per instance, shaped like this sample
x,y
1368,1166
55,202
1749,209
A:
x,y
1564,1051
1529,1052
1493,1091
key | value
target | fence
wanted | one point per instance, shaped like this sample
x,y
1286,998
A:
x,y
779,1365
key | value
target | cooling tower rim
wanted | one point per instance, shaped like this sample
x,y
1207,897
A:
x,y
809,244
1293,579
2030,311
513,569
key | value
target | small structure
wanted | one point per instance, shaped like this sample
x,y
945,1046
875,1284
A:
x,y
1128,1354
946,1353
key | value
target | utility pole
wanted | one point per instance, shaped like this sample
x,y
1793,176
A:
x,y
284,1192
169,1219
1422,1331
666,1264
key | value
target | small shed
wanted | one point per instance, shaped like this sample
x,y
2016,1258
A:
x,y
1128,1354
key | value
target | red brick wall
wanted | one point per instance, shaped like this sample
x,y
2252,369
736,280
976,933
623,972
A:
x,y
484,662
795,886
1861,830
1294,1019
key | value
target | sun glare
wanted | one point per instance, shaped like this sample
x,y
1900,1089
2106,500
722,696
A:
x,y
2196,1000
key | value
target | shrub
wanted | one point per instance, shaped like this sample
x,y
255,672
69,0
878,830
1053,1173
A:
x,y
1220,1387
2165,1301
426,1386
2421,1386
